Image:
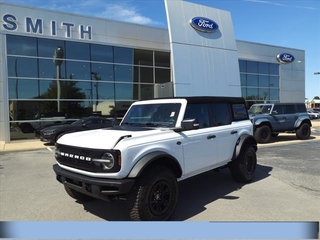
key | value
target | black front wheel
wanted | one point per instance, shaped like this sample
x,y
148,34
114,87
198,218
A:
x,y
263,134
244,166
154,196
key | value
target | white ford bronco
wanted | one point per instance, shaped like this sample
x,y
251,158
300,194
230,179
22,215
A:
x,y
158,143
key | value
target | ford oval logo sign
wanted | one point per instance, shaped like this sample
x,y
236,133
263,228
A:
x,y
203,24
285,58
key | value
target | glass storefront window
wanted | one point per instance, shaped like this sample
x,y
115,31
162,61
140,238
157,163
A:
x,y
252,80
274,94
76,50
143,74
124,91
143,57
47,69
243,79
101,53
162,75
252,94
243,66
123,55
23,88
273,69
47,47
123,73
162,59
19,45
143,91
22,67
274,81
263,81
252,67
263,68
79,71
264,94
105,71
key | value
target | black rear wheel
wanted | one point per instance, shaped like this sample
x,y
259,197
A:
x,y
244,166
303,132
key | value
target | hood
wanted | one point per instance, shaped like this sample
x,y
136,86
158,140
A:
x,y
102,138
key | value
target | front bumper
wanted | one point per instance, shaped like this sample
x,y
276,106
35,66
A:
x,y
101,188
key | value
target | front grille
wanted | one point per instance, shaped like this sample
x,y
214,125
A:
x,y
84,153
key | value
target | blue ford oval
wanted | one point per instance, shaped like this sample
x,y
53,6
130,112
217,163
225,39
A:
x,y
204,24
285,58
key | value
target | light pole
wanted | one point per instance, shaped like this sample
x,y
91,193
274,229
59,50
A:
x,y
57,60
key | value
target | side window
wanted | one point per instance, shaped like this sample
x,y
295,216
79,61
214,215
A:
x,y
221,114
279,109
199,111
301,108
239,111
290,109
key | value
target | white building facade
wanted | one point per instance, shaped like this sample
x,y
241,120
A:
x,y
55,63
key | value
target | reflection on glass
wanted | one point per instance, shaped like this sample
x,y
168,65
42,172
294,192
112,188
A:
x,y
252,80
22,67
101,53
47,69
78,70
274,81
123,55
274,69
263,68
124,91
123,73
78,51
243,79
23,88
19,45
263,81
252,67
104,70
264,94
252,94
46,47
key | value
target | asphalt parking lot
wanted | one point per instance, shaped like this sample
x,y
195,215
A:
x,y
286,188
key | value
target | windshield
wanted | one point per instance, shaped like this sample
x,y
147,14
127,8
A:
x,y
78,122
153,115
259,109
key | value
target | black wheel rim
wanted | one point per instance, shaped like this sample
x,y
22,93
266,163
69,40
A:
x,y
250,163
305,131
265,134
159,198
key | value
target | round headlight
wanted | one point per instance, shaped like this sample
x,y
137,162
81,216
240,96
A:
x,y
107,161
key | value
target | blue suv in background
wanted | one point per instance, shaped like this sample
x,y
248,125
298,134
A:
x,y
270,119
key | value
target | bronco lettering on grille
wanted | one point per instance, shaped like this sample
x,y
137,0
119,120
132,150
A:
x,y
70,155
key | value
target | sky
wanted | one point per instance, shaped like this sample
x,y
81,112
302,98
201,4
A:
x,y
286,23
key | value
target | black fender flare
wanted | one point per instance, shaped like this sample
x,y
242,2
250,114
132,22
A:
x,y
166,160
242,141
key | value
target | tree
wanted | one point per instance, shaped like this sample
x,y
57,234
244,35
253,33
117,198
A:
x,y
316,97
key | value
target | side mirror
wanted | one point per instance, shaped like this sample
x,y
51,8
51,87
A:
x,y
274,113
190,124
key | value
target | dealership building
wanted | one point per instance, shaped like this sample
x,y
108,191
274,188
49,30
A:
x,y
56,66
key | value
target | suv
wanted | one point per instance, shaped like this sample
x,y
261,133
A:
x,y
158,143
271,119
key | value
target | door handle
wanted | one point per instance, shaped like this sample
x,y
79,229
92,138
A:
x,y
234,132
211,136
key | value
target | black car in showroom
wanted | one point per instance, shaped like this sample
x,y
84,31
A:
x,y
53,133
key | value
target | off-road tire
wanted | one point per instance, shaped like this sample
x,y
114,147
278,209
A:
x,y
303,132
154,196
26,128
263,134
244,166
77,195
